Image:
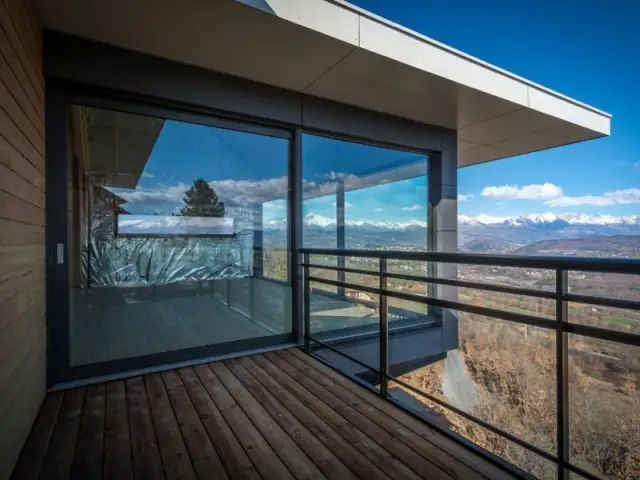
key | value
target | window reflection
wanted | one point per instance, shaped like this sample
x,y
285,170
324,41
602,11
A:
x,y
171,222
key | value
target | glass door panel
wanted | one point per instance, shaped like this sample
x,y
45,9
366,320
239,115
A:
x,y
169,226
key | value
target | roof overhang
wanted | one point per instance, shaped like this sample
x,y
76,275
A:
x,y
333,50
115,146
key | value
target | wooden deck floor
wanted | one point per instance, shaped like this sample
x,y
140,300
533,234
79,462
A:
x,y
279,415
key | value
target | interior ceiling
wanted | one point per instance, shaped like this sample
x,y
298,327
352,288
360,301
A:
x,y
329,51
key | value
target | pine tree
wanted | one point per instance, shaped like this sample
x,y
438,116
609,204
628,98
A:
x,y
202,201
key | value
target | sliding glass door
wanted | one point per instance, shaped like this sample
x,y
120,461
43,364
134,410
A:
x,y
178,239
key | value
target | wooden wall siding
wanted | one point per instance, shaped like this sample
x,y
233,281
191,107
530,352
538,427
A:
x,y
22,220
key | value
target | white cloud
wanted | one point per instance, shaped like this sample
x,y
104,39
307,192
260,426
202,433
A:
x,y
619,197
462,197
147,175
546,191
274,205
346,204
379,209
157,195
241,192
340,176
412,208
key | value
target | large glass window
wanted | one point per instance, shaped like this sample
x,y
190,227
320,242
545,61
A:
x,y
363,197
172,227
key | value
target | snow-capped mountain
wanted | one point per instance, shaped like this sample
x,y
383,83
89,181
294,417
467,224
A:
x,y
482,233
532,220
314,220
550,218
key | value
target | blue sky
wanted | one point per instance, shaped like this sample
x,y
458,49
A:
x,y
582,48
585,49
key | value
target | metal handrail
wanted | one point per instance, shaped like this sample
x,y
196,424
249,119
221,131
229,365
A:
x,y
577,264
561,324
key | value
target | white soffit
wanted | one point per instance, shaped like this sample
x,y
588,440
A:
x,y
333,50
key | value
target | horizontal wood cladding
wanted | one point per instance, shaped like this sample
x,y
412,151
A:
x,y
22,232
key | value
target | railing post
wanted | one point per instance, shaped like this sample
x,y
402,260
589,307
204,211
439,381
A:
x,y
384,330
562,374
306,312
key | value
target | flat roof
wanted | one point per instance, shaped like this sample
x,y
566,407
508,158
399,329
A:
x,y
334,50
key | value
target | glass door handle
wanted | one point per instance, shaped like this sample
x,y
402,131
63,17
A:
x,y
60,254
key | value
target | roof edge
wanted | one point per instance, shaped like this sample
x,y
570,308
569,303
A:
x,y
418,36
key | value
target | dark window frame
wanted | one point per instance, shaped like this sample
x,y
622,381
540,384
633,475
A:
x,y
60,95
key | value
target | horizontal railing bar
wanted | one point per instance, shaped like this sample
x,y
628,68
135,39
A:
x,y
436,302
606,265
482,423
445,281
614,336
352,286
484,311
581,472
477,285
372,331
349,357
602,301
456,437
446,405
578,329
342,269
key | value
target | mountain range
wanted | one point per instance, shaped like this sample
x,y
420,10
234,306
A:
x,y
538,219
482,233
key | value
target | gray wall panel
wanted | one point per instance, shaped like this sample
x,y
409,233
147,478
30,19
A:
x,y
321,114
79,60
84,61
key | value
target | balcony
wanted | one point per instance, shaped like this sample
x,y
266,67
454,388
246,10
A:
x,y
534,359
274,415
362,399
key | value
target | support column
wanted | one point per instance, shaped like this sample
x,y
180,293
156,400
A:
x,y
294,313
258,257
443,229
258,252
340,233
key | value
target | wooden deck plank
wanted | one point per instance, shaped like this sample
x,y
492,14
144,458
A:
x,y
88,458
277,415
144,447
35,448
235,459
309,410
416,462
276,405
442,460
370,427
374,452
258,449
289,452
205,459
59,457
423,430
117,463
175,458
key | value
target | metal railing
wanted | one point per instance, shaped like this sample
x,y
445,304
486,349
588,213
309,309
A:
x,y
560,326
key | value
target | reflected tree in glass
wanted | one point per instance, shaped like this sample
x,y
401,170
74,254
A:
x,y
202,201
